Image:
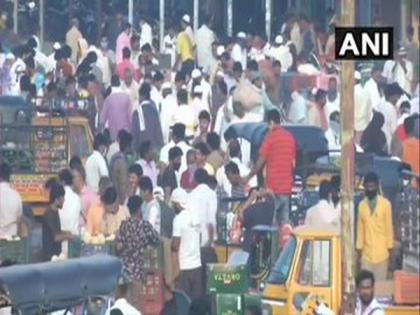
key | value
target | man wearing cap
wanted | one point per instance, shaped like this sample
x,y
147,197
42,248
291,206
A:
x,y
197,102
72,39
197,79
279,51
399,70
167,110
186,26
186,242
239,53
204,39
362,107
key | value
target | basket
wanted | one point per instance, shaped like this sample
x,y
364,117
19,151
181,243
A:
x,y
15,250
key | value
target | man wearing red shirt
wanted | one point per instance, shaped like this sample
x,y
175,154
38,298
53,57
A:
x,y
277,154
125,64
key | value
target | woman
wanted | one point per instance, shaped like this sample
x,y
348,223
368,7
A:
x,y
373,138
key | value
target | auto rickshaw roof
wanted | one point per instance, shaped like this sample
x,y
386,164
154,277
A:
x,y
310,231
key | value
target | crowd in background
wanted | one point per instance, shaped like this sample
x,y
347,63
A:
x,y
161,164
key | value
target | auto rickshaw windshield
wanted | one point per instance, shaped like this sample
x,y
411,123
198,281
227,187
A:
x,y
280,272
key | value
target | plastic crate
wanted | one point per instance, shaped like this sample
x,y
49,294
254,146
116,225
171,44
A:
x,y
90,249
406,288
151,295
153,258
15,250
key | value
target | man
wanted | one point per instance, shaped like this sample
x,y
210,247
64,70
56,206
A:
x,y
186,242
123,40
411,46
203,127
233,175
239,52
184,53
281,52
135,172
125,64
317,115
388,109
169,43
150,207
216,157
96,166
117,110
119,165
186,114
146,36
71,210
52,235
135,52
72,39
147,162
106,58
178,139
121,304
201,154
197,103
411,145
366,302
204,39
168,179
333,133
168,109
256,210
399,71
87,196
156,87
186,26
323,214
133,237
362,107
10,205
145,122
375,231
333,97
374,86
279,162
203,203
187,180
199,80
130,87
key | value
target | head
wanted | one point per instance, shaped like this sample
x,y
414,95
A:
x,y
175,155
321,97
405,108
410,125
191,157
393,93
126,53
325,190
204,121
109,200
147,53
104,183
201,176
75,23
273,118
365,284
100,144
201,153
335,184
5,172
182,97
232,173
146,151
127,28
277,68
124,140
377,121
79,178
146,189
144,92
135,42
104,43
371,184
377,73
178,132
158,79
134,206
234,148
237,70
56,196
65,177
179,80
179,200
135,172
213,141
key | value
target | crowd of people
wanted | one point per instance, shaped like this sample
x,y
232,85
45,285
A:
x,y
161,164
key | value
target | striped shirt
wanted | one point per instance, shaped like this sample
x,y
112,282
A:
x,y
279,152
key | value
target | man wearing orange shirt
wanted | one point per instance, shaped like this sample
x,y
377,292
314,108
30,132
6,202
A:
x,y
96,220
411,145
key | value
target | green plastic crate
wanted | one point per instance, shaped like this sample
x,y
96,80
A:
x,y
153,258
229,304
222,278
15,250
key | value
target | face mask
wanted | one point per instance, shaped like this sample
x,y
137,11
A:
x,y
370,194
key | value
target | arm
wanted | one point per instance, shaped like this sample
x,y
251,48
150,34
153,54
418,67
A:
x,y
360,230
176,241
257,168
243,207
176,234
389,228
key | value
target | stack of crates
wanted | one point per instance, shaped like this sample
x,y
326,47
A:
x,y
263,253
152,294
227,284
16,250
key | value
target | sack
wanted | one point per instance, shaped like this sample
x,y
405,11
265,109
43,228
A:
x,y
247,94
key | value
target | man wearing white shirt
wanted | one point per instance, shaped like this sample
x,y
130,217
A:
x,y
323,213
388,108
169,45
204,39
186,114
362,109
178,139
366,302
373,87
72,206
239,52
197,79
146,35
186,242
130,87
281,52
168,109
96,166
10,204
333,97
332,134
121,302
150,207
399,70
197,103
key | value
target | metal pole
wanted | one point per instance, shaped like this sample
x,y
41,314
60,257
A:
x,y
347,169
404,20
15,16
98,20
161,23
268,19
196,13
229,17
130,11
41,23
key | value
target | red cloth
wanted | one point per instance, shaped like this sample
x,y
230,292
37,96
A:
x,y
122,66
279,152
401,134
187,181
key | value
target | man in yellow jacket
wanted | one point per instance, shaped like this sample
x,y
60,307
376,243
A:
x,y
375,234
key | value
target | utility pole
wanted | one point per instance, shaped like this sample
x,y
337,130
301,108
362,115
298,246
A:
x,y
15,16
347,169
41,22
196,15
229,17
161,24
98,20
130,12
268,19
